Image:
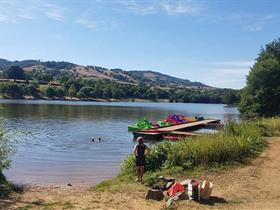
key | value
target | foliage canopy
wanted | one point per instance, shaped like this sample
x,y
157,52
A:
x,y
15,72
261,96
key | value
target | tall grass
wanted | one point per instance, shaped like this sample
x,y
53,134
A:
x,y
272,126
235,143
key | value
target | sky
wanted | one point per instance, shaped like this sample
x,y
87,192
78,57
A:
x,y
210,41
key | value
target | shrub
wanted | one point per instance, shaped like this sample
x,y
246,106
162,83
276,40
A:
x,y
5,149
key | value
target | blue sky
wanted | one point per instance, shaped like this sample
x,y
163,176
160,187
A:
x,y
214,42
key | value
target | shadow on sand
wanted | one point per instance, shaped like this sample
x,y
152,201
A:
x,y
213,200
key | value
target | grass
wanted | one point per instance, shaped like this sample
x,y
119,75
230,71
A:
x,y
68,205
47,205
272,126
235,144
6,187
26,207
119,184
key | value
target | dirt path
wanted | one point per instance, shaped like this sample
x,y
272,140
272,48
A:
x,y
256,186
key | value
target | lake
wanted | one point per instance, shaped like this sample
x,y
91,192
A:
x,y
54,137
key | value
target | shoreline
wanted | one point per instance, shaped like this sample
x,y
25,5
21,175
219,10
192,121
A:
x,y
31,98
259,174
73,99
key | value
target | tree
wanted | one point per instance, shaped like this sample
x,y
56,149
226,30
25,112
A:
x,y
261,95
151,95
107,93
12,89
59,92
97,92
72,92
30,90
15,72
50,92
116,93
230,97
85,92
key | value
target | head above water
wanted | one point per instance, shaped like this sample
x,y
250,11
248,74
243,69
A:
x,y
140,140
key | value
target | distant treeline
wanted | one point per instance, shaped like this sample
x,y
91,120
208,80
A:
x,y
28,84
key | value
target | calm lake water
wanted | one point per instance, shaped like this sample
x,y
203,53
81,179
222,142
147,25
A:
x,y
55,136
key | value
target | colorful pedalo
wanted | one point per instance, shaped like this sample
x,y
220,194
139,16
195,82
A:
x,y
174,119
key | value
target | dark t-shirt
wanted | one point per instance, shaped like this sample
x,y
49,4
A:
x,y
140,158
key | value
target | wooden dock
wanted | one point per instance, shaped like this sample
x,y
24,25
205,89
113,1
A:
x,y
187,125
181,130
183,133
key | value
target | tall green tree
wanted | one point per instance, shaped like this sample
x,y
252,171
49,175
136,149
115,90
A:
x,y
261,96
230,97
72,92
107,93
30,90
15,72
85,92
50,92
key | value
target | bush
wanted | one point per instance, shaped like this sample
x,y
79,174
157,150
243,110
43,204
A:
x,y
155,160
30,90
12,89
5,149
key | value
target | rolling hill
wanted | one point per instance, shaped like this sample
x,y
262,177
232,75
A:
x,y
60,68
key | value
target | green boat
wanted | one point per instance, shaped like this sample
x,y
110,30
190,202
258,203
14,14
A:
x,y
142,124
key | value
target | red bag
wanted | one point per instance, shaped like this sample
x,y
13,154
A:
x,y
177,187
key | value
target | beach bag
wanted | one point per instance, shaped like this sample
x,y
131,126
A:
x,y
206,190
176,187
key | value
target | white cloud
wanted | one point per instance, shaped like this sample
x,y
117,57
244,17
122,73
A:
x,y
250,22
169,7
7,19
247,21
138,8
91,24
228,73
231,71
223,74
17,11
231,64
97,24
181,8
55,13
25,15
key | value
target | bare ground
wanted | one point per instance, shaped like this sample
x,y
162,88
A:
x,y
255,186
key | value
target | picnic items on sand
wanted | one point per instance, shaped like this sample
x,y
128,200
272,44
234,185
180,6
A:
x,y
190,189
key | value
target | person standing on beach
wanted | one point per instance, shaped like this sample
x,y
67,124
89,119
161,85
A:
x,y
140,157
